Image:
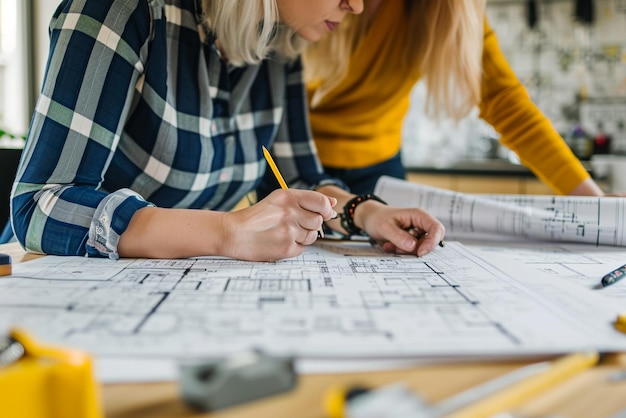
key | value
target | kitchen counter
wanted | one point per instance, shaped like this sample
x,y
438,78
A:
x,y
485,176
482,167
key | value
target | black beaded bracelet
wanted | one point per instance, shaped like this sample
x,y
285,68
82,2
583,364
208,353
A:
x,y
347,217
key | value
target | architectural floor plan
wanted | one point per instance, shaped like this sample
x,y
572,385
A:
x,y
344,300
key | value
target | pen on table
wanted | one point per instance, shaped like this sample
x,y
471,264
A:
x,y
280,179
614,276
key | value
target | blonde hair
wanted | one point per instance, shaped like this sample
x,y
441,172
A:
x,y
326,61
249,31
445,41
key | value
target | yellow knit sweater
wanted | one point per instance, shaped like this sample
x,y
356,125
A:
x,y
359,122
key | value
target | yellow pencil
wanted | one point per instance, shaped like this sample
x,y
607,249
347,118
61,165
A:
x,y
272,164
281,180
513,396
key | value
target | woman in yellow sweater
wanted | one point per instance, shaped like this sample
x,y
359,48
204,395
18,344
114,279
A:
x,y
357,106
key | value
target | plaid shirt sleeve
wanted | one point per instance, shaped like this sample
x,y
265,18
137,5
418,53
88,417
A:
x,y
294,148
97,53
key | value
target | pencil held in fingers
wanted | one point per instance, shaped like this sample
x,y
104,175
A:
x,y
419,234
432,238
281,180
403,230
272,164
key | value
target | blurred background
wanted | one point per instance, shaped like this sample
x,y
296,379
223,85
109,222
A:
x,y
570,55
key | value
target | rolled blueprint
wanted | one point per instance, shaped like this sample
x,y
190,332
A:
x,y
584,219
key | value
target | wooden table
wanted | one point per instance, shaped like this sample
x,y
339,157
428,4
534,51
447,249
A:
x,y
589,394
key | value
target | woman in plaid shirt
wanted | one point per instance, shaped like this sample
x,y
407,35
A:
x,y
153,109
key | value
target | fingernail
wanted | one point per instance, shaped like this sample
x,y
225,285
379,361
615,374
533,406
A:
x,y
335,216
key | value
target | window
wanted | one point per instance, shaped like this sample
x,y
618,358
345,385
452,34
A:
x,y
15,69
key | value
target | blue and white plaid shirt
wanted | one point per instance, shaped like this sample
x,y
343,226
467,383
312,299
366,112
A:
x,y
137,108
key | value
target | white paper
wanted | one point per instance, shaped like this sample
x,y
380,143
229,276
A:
x,y
336,301
540,263
583,219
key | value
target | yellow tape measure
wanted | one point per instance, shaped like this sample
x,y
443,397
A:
x,y
40,381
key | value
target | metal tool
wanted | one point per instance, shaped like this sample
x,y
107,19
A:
x,y
216,384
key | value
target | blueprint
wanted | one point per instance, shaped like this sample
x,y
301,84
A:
x,y
336,300
539,263
580,219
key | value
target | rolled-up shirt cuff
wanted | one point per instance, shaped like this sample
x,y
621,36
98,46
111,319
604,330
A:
x,y
110,220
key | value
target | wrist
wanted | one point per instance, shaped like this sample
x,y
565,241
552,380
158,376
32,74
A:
x,y
352,216
587,187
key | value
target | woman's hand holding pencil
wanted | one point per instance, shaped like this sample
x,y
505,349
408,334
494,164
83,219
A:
x,y
278,226
398,230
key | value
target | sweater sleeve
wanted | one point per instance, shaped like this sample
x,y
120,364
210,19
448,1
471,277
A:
x,y
507,106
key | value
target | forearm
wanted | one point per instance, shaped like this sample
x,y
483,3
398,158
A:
x,y
173,233
277,227
587,187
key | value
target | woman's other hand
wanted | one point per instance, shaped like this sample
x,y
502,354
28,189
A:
x,y
395,228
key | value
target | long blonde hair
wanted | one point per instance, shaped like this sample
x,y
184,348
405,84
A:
x,y
445,40
249,31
